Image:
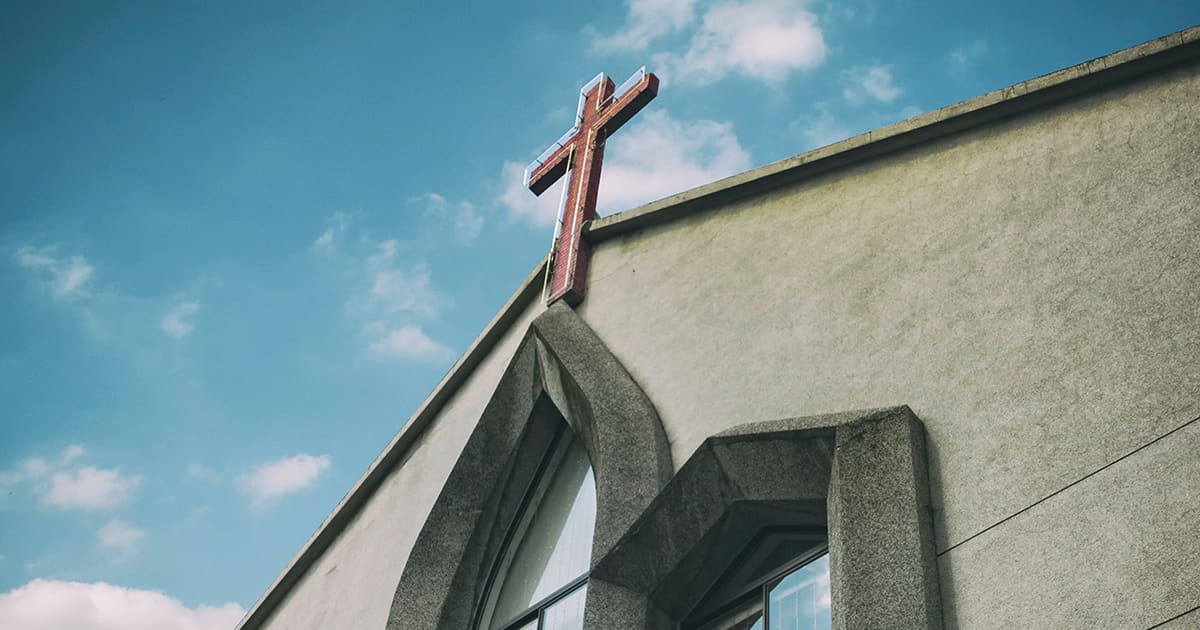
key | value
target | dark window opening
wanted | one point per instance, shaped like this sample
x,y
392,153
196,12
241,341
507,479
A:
x,y
779,582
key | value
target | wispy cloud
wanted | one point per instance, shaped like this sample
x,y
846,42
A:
x,y
463,219
521,204
869,83
28,470
326,242
655,157
399,289
66,276
393,291
200,472
965,56
828,124
647,21
660,156
822,129
34,469
177,322
766,40
46,604
282,477
71,453
121,540
90,488
409,342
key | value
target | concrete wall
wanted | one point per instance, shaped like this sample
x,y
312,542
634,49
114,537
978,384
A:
x,y
1031,288
353,582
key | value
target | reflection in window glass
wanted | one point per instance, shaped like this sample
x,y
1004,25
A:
x,y
801,600
566,613
556,545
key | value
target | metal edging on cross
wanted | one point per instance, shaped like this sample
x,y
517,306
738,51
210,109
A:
x,y
578,155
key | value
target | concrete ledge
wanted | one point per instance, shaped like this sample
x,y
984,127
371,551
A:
x,y
860,476
1156,55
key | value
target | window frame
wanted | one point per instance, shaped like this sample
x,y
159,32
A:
x,y
537,612
538,485
763,584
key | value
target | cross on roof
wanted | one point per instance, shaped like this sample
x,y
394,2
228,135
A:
x,y
579,154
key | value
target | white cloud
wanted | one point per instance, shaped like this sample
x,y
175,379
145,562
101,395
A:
x,y
654,157
468,223
326,242
409,342
71,453
36,257
660,156
909,111
199,472
647,20
823,129
120,539
393,290
54,605
523,205
965,56
397,290
90,488
176,323
865,83
35,467
464,220
66,277
283,476
762,39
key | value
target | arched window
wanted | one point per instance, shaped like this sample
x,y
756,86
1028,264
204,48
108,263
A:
x,y
540,582
779,582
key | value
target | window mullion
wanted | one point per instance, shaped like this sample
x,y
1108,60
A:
x,y
766,604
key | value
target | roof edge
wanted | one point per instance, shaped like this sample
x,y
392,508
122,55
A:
x,y
1130,63
353,501
1157,54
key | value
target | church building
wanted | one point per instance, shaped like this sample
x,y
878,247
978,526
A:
x,y
945,374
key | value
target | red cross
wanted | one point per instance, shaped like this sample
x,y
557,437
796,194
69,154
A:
x,y
579,154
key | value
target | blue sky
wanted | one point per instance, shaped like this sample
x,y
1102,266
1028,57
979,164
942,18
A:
x,y
241,242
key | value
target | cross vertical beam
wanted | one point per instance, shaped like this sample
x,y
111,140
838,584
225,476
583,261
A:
x,y
579,155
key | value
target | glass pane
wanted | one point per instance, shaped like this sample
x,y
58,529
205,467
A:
x,y
556,546
801,600
566,613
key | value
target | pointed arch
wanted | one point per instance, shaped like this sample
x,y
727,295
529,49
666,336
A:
x,y
561,371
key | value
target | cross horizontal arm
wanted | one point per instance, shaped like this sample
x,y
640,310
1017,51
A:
x,y
551,168
628,104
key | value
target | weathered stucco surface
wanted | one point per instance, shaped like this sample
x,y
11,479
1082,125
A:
x,y
1030,288
353,582
1115,551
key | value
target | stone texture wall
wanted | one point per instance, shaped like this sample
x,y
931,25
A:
x,y
1031,289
